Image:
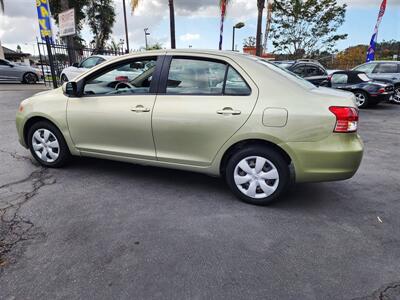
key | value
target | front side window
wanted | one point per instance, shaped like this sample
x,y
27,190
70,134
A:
x,y
339,78
314,71
132,77
3,63
386,68
300,71
193,76
366,68
89,63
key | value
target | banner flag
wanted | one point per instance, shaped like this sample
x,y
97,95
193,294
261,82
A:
x,y
374,39
44,18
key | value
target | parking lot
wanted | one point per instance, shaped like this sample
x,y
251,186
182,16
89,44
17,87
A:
x,y
107,230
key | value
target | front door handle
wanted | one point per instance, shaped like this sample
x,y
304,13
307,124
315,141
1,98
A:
x,y
140,108
229,111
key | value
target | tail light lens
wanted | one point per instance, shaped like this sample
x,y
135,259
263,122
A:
x,y
381,91
346,118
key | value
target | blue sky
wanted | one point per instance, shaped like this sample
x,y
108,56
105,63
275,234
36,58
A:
x,y
197,23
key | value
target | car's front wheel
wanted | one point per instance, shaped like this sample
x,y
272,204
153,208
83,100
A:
x,y
48,145
257,174
361,99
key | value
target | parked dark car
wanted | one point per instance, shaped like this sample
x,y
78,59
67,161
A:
x,y
367,91
386,71
310,70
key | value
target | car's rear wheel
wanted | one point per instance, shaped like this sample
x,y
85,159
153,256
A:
x,y
64,78
361,99
30,78
257,175
48,145
396,96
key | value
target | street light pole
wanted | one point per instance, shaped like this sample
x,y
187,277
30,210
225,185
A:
x,y
126,27
145,37
238,26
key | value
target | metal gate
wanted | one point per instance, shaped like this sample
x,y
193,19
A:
x,y
53,58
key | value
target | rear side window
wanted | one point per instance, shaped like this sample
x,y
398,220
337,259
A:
x,y
204,77
235,84
387,68
339,78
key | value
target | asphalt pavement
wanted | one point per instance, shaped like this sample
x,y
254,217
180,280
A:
x,y
107,230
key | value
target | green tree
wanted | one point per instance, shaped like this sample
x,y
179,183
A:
x,y
135,4
58,6
101,19
302,27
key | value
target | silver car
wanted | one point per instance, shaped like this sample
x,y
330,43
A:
x,y
15,72
386,71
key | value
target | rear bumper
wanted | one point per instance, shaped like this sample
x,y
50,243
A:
x,y
381,97
337,157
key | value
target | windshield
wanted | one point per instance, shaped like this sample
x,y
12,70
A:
x,y
364,77
284,72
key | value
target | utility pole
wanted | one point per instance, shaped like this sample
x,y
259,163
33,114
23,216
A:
x,y
172,23
126,28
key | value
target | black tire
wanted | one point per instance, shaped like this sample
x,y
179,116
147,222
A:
x,y
396,96
63,151
272,156
30,78
366,96
64,78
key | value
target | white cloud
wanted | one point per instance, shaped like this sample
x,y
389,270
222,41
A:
x,y
189,37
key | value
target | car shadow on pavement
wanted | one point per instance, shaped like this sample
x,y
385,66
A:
x,y
302,196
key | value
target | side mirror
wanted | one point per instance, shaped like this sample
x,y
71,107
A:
x,y
76,65
69,88
11,66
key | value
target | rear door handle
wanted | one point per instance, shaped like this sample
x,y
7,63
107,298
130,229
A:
x,y
229,111
140,108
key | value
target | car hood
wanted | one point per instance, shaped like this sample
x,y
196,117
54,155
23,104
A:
x,y
48,93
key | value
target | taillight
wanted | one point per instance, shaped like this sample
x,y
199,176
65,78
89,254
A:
x,y
381,90
346,118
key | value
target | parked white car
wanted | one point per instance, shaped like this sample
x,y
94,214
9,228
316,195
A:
x,y
77,69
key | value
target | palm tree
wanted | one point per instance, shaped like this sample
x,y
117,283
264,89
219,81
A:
x,y
223,4
135,4
260,7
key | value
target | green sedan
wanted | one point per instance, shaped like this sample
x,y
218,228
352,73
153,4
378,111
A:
x,y
220,113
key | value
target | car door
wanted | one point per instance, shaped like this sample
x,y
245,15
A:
x,y
8,71
202,102
315,74
113,113
387,70
84,66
